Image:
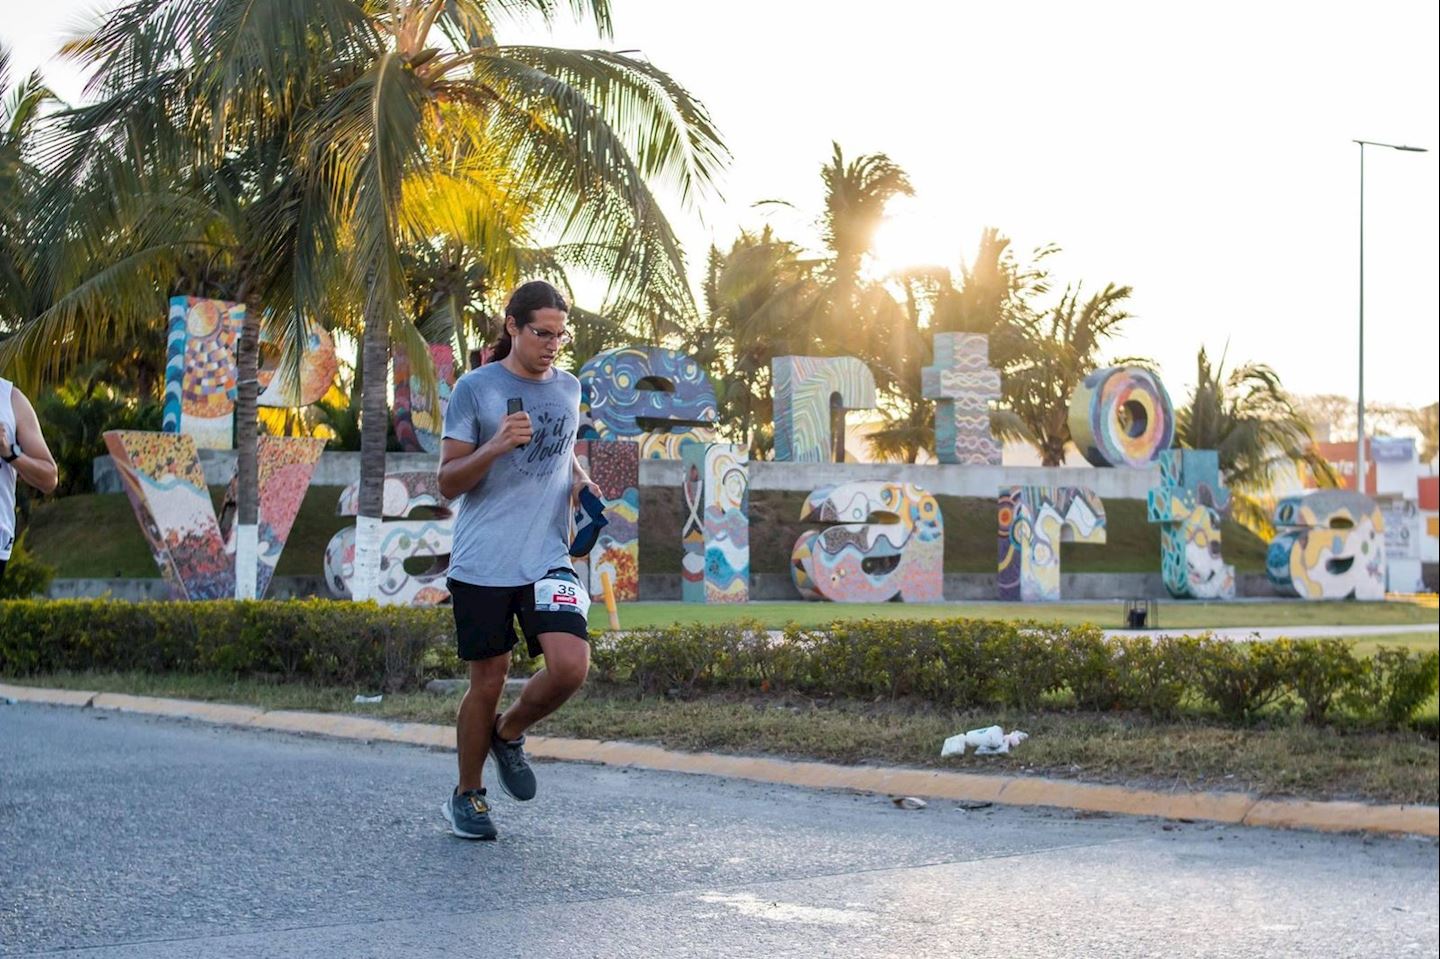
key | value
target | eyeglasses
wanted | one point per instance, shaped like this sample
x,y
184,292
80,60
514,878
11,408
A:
x,y
546,336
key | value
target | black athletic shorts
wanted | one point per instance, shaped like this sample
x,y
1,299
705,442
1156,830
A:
x,y
485,615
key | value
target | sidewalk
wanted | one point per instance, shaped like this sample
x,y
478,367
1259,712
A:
x,y
1245,633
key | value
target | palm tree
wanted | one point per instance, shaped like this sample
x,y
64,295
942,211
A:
x,y
20,107
993,298
572,122
758,299
400,122
855,319
1056,350
137,207
1252,423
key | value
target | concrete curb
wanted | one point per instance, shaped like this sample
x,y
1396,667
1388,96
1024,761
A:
x,y
1237,808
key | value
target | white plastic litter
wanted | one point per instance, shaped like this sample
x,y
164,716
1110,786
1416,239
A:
x,y
990,741
909,802
370,699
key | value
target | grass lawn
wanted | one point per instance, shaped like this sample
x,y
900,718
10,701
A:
x,y
1172,615
96,536
1277,759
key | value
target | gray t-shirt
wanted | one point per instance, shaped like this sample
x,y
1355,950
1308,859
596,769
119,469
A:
x,y
513,526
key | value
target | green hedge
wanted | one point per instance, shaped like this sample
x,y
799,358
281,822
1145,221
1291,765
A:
x,y
955,664
965,664
313,640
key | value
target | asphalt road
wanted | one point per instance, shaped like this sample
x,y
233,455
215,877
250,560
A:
x,y
124,836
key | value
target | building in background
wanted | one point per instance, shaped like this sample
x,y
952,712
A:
x,y
1406,491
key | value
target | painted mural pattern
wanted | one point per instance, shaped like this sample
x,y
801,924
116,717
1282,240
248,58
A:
x,y
1329,544
1122,416
716,532
639,392
401,540
318,368
1190,504
803,387
881,541
1033,522
614,465
285,466
166,487
200,370
667,446
963,384
418,426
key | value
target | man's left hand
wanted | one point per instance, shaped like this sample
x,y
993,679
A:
x,y
583,484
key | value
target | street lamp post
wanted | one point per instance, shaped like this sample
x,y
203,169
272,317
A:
x,y
1360,465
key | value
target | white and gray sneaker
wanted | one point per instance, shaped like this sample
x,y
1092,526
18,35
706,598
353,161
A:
x,y
469,815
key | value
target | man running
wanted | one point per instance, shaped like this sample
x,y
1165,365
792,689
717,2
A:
x,y
23,455
508,461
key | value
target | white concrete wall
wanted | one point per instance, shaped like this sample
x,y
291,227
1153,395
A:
x,y
939,479
342,469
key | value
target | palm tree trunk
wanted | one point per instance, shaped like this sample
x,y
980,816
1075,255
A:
x,y
247,462
374,418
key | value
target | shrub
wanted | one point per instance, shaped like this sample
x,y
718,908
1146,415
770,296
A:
x,y
25,576
1400,681
1241,678
312,640
950,664
1321,673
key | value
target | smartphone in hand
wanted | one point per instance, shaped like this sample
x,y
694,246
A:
x,y
515,405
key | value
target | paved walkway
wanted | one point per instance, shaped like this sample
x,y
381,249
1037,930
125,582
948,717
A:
x,y
1244,633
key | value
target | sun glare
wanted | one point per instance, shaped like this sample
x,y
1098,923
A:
x,y
911,236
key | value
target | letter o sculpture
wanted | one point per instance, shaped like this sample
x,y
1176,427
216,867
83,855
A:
x,y
1122,416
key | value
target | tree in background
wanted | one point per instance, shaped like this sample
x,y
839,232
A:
x,y
854,316
373,129
759,298
1259,434
1054,352
995,294
20,107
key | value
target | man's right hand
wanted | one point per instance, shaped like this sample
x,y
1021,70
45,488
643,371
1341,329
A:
x,y
514,431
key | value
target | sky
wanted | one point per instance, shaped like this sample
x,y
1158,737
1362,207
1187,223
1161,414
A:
x,y
1201,154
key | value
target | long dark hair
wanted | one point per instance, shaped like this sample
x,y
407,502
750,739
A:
x,y
527,298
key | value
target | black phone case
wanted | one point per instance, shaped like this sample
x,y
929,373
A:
x,y
515,405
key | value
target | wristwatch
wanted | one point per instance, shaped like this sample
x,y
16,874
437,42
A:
x,y
14,453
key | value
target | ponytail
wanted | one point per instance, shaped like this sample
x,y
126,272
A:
x,y
527,298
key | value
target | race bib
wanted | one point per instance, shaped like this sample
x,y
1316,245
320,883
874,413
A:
x,y
561,596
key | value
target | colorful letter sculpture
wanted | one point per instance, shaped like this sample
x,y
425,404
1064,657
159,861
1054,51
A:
x,y
659,398
165,484
1121,416
399,541
804,388
417,425
614,465
881,540
1033,522
318,369
1190,504
200,370
1330,544
716,533
285,467
963,384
